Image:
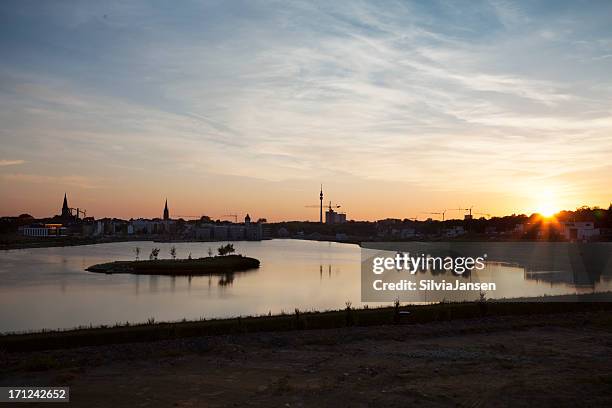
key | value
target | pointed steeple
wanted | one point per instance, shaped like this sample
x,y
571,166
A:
x,y
166,212
65,209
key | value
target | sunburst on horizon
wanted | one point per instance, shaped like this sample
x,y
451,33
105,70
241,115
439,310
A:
x,y
547,206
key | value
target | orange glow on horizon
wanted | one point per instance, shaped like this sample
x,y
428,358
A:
x,y
547,211
547,206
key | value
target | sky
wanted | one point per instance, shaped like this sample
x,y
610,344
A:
x,y
399,108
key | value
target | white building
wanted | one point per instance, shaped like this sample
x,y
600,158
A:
x,y
149,227
340,236
579,231
454,231
44,230
408,233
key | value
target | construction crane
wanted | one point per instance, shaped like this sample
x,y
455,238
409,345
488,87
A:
x,y
433,213
330,207
443,213
464,209
78,212
235,216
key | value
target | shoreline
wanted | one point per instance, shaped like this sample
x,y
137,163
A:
x,y
300,320
60,242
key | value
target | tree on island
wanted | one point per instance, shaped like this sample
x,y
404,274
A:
x,y
173,252
154,254
226,249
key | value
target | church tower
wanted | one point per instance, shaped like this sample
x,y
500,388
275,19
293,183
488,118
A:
x,y
166,212
65,209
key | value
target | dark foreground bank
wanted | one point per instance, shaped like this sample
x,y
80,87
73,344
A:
x,y
553,359
396,315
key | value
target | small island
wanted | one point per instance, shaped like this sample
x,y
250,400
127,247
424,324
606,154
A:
x,y
215,265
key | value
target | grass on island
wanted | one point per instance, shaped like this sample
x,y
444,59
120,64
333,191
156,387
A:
x,y
215,265
299,320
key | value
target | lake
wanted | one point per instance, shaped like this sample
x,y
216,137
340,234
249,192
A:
x,y
49,288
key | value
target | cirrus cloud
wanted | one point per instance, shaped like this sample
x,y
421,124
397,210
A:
x,y
10,162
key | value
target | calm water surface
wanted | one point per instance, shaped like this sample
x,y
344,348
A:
x,y
49,288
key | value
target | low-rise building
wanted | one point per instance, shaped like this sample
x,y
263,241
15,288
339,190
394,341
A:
x,y
454,231
203,232
44,230
408,233
143,226
333,217
579,231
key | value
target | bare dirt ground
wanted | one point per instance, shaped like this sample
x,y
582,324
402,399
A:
x,y
556,360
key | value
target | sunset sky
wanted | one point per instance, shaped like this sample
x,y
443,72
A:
x,y
398,108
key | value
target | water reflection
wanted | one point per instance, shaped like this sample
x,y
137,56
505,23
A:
x,y
519,269
226,279
573,264
48,287
328,269
153,283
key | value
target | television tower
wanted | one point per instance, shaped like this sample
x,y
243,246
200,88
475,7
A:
x,y
321,207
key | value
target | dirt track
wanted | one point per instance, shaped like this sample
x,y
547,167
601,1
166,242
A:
x,y
560,360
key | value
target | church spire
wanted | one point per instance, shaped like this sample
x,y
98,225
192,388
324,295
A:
x,y
166,212
65,209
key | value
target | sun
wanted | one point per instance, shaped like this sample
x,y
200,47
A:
x,y
547,210
546,206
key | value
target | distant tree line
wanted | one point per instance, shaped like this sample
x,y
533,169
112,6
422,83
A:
x,y
602,218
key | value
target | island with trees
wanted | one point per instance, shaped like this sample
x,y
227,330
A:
x,y
224,263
